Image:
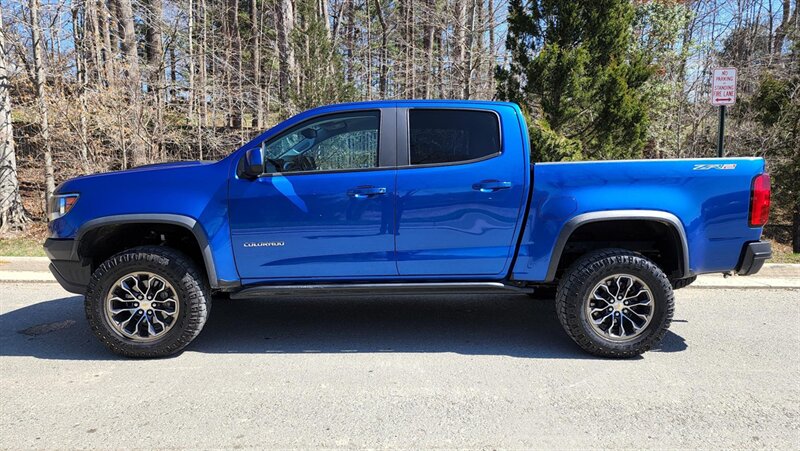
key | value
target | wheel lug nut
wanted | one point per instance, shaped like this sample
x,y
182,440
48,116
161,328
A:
x,y
150,312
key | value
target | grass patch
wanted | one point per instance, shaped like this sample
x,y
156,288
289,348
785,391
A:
x,y
782,253
784,257
21,247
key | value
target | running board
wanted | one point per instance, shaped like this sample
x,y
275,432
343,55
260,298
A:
x,y
262,291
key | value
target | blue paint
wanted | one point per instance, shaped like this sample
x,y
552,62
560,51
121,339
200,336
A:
x,y
451,222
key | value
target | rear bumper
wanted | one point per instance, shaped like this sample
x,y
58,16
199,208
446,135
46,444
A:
x,y
69,270
753,257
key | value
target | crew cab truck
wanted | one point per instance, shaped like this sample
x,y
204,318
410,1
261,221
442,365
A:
x,y
403,197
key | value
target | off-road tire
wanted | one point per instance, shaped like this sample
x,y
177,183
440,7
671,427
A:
x,y
589,270
189,283
677,284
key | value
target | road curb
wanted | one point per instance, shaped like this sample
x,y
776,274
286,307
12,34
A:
x,y
771,276
34,277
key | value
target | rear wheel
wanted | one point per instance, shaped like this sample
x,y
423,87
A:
x,y
615,303
149,301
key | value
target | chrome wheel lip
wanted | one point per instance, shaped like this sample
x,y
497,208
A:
x,y
624,299
143,311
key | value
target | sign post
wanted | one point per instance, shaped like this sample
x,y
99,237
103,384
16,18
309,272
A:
x,y
723,93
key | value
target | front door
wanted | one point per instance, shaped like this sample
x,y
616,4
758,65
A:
x,y
460,194
324,207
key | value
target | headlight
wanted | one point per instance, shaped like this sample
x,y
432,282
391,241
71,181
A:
x,y
60,204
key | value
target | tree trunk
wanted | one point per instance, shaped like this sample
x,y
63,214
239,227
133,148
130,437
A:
x,y
255,24
12,213
190,93
284,22
796,230
128,46
467,71
384,68
108,51
155,63
428,43
203,107
39,81
81,65
350,39
324,9
240,73
92,29
492,50
459,50
780,32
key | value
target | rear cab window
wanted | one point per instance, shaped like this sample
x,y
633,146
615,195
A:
x,y
450,136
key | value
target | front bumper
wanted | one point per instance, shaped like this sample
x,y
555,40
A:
x,y
753,257
67,267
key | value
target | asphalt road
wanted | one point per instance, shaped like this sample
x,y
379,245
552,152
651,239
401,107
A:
x,y
403,372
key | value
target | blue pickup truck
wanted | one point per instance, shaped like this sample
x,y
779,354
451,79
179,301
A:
x,y
403,197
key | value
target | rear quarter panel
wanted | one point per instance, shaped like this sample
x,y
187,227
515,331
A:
x,y
712,204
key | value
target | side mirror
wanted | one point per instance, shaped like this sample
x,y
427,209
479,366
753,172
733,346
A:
x,y
253,163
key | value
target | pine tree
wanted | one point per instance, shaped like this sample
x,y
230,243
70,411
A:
x,y
576,70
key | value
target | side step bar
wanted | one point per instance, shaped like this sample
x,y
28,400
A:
x,y
262,291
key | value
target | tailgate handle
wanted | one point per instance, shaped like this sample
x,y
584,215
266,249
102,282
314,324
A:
x,y
490,186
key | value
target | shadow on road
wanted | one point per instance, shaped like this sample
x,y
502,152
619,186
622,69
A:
x,y
473,325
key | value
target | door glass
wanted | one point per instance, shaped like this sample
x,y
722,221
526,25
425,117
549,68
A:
x,y
334,142
450,136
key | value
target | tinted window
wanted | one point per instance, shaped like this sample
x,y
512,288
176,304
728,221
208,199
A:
x,y
445,136
334,142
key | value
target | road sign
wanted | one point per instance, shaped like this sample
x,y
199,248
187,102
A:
x,y
723,86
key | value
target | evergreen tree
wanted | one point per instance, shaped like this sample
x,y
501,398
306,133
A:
x,y
576,70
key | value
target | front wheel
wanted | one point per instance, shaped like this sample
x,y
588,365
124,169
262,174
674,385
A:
x,y
149,301
615,303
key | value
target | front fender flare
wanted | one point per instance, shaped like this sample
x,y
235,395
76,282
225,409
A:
x,y
186,222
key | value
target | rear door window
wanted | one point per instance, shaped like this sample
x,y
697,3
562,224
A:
x,y
452,136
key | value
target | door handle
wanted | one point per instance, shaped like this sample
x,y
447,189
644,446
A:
x,y
490,186
363,192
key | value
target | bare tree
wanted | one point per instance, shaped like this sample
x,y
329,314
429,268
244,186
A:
x,y
39,82
255,30
284,23
12,213
124,13
155,64
384,65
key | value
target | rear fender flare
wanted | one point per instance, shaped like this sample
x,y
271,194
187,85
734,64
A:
x,y
618,215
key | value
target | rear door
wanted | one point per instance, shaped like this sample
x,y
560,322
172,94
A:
x,y
461,183
325,206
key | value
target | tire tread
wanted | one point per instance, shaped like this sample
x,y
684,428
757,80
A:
x,y
193,286
569,299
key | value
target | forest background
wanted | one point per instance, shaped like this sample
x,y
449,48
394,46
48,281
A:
x,y
99,85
